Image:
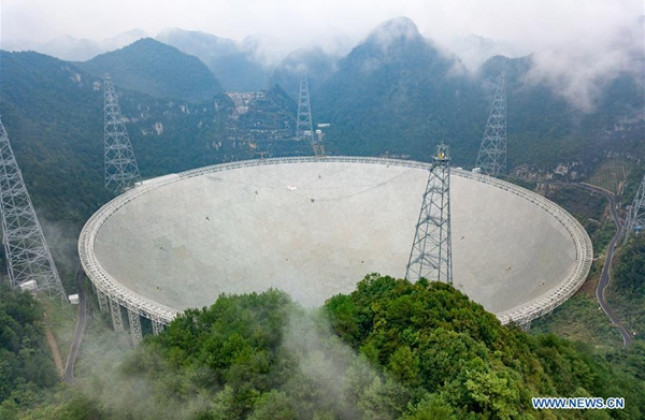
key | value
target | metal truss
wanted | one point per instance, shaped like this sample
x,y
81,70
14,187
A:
x,y
121,170
491,159
26,252
636,218
117,317
430,256
157,327
135,327
304,125
103,303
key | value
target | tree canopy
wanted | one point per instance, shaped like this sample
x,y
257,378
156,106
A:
x,y
388,350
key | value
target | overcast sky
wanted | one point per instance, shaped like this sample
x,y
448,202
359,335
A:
x,y
577,45
528,25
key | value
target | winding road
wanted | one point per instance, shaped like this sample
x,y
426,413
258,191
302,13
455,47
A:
x,y
605,276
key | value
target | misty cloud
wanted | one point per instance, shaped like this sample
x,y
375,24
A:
x,y
576,46
579,72
61,240
139,383
337,371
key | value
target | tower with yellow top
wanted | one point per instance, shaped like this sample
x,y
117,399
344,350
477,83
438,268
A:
x,y
430,256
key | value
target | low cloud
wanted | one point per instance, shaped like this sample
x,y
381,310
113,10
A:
x,y
577,46
61,240
330,376
578,72
338,373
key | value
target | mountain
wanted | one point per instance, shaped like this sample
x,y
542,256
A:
x,y
394,94
315,61
474,50
236,65
397,93
69,48
52,111
545,128
156,69
204,46
53,114
240,72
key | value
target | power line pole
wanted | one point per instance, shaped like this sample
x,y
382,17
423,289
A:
x,y
121,170
431,254
636,218
304,124
491,159
29,261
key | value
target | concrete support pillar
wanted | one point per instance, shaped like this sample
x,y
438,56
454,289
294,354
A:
x,y
103,303
135,327
157,327
115,311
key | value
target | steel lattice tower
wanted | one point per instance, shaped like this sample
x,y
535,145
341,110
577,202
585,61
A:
x,y
26,252
304,125
636,215
121,170
431,254
491,158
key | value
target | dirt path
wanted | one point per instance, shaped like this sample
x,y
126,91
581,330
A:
x,y
51,340
78,332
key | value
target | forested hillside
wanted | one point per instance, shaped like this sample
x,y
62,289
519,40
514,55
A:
x,y
394,94
435,339
388,350
234,64
53,113
628,293
26,368
398,93
314,62
158,70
